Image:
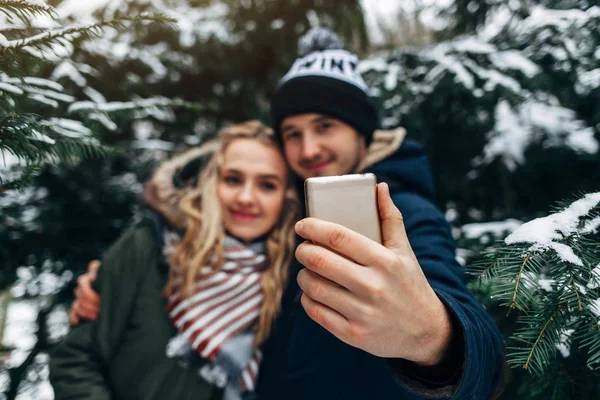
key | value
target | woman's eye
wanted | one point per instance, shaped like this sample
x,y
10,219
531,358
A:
x,y
268,186
232,180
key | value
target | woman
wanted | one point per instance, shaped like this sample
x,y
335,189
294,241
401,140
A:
x,y
185,307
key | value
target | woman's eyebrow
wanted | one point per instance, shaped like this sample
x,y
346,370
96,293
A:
x,y
261,176
271,176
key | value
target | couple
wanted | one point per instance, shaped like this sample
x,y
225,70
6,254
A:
x,y
209,303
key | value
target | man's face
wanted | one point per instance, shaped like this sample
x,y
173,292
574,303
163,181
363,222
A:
x,y
317,145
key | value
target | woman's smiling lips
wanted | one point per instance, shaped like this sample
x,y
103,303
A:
x,y
243,215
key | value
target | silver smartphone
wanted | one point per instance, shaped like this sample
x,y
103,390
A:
x,y
348,200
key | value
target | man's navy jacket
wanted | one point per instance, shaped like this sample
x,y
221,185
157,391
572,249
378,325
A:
x,y
304,361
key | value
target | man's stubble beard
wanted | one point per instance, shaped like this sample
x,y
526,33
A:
x,y
360,153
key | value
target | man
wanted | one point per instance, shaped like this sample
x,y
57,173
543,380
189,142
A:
x,y
390,321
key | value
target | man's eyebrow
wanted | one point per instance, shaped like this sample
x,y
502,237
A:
x,y
286,128
320,118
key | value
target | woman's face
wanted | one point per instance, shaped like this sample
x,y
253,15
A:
x,y
251,188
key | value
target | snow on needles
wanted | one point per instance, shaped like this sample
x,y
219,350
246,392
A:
x,y
547,232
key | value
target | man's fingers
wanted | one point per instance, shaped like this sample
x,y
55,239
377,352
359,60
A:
x,y
340,239
392,224
325,316
329,294
330,265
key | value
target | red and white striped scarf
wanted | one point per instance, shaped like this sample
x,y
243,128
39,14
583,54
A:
x,y
223,304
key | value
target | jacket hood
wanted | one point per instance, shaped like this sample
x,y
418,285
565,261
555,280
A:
x,y
401,163
385,143
172,180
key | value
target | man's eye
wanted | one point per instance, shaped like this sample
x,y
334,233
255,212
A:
x,y
323,126
292,135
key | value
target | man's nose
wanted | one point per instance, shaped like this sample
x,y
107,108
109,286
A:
x,y
310,147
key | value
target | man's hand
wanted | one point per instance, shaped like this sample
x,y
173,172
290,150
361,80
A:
x,y
87,301
372,296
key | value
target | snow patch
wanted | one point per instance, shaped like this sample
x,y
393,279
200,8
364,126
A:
x,y
68,70
544,233
564,343
497,228
515,129
515,60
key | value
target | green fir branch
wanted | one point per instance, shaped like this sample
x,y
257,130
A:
x,y
496,262
511,269
485,268
87,107
513,301
27,174
575,291
34,145
563,311
23,10
539,335
589,337
92,111
49,38
503,291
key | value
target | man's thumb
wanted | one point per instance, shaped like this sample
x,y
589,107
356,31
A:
x,y
392,224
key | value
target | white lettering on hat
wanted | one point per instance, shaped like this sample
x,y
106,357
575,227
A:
x,y
336,64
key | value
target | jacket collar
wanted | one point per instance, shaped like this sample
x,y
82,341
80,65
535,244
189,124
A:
x,y
385,143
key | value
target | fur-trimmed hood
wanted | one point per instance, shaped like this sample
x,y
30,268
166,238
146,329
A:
x,y
173,179
385,143
404,167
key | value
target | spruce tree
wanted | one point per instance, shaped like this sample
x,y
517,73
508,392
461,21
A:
x,y
500,114
508,113
547,272
29,141
147,91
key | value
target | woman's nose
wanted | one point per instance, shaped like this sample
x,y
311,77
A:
x,y
246,194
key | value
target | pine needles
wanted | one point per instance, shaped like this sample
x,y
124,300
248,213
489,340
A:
x,y
27,141
553,285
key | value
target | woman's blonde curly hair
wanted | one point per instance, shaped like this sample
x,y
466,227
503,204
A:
x,y
204,233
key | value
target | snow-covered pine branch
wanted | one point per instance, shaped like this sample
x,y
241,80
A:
x,y
548,269
48,38
570,224
506,76
33,144
24,9
27,140
159,108
117,106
